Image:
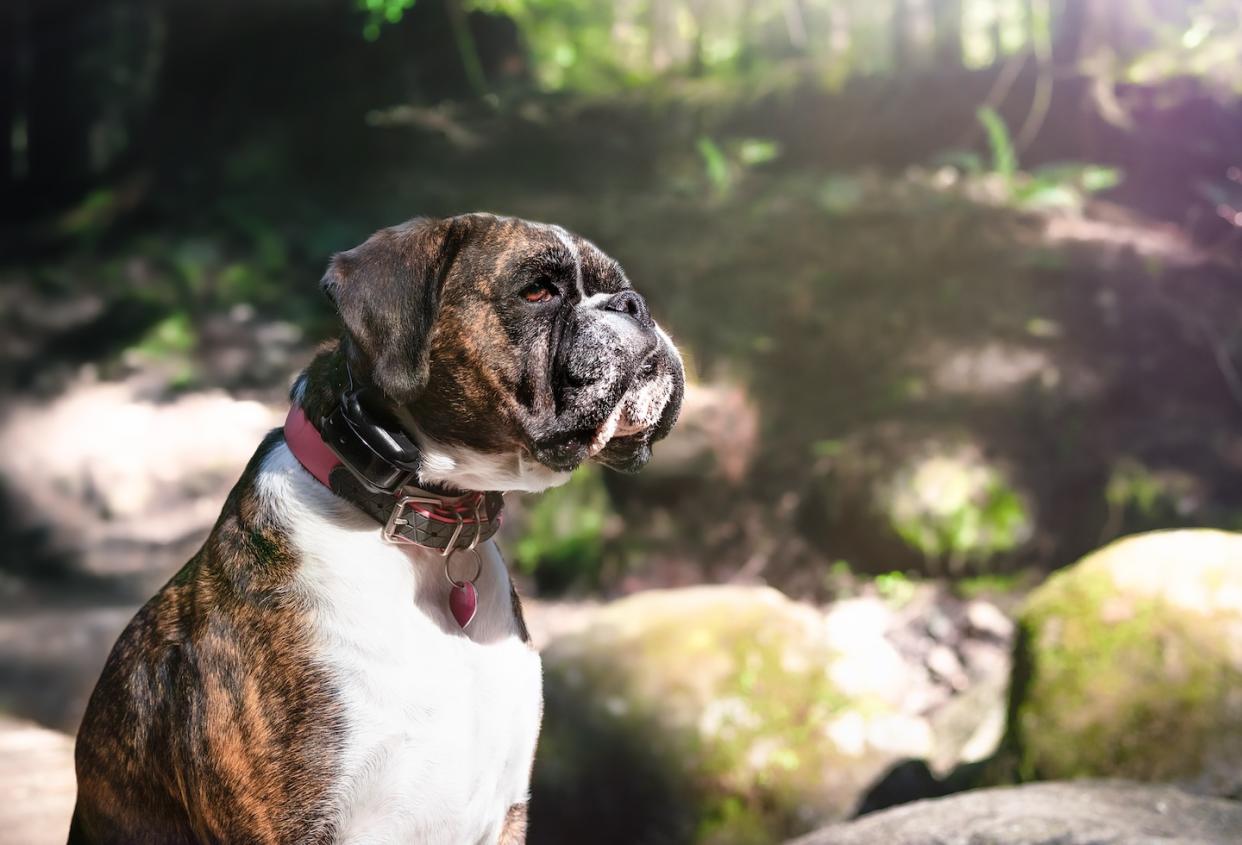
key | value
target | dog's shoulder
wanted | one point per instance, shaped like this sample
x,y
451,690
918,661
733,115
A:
x,y
235,725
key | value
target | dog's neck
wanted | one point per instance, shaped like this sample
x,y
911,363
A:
x,y
443,465
345,455
331,451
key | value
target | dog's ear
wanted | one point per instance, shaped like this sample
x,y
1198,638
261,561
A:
x,y
387,292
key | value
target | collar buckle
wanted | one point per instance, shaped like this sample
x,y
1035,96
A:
x,y
433,526
397,520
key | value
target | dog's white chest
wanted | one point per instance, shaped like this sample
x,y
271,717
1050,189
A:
x,y
441,731
440,723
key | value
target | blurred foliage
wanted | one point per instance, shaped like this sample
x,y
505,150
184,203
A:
x,y
896,588
562,541
957,509
1065,185
595,46
1200,39
854,186
724,166
1004,158
380,12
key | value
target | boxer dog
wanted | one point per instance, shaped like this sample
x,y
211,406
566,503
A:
x,y
345,659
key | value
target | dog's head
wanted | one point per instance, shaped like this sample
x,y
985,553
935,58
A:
x,y
512,351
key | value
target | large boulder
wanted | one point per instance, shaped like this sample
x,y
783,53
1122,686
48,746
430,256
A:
x,y
720,715
1078,813
1130,665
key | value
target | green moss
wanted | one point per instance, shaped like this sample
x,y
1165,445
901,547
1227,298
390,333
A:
x,y
1118,684
896,588
993,584
738,692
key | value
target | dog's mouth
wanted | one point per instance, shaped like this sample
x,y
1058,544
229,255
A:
x,y
614,432
637,414
618,424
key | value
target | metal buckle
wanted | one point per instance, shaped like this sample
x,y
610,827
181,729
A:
x,y
397,519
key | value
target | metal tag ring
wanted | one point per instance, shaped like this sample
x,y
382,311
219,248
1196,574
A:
x,y
478,523
478,569
452,543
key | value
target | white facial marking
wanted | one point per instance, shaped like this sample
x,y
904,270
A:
x,y
439,724
568,242
595,300
468,469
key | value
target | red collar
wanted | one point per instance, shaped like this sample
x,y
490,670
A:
x,y
411,514
308,447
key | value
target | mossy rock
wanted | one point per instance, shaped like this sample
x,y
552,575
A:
x,y
723,715
1130,665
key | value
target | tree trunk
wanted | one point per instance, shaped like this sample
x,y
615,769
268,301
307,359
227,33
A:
x,y
899,35
948,20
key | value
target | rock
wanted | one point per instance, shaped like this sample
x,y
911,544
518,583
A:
x,y
1078,813
968,727
715,437
1130,665
36,768
720,715
126,479
964,675
985,619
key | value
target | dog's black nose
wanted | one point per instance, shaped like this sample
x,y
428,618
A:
x,y
629,302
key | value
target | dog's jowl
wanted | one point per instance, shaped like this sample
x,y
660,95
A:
x,y
345,658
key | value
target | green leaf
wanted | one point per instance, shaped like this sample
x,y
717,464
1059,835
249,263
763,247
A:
x,y
716,164
1004,157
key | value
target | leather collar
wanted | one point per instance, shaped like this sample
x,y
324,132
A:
x,y
372,468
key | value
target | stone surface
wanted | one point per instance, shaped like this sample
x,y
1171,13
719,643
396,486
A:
x,y
36,784
734,715
124,479
1076,813
846,687
715,438
1130,665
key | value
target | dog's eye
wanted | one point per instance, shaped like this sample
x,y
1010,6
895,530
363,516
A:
x,y
540,291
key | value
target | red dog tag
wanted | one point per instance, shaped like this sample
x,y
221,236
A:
x,y
463,602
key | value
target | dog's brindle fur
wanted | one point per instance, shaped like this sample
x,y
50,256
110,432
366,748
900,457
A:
x,y
218,717
210,721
